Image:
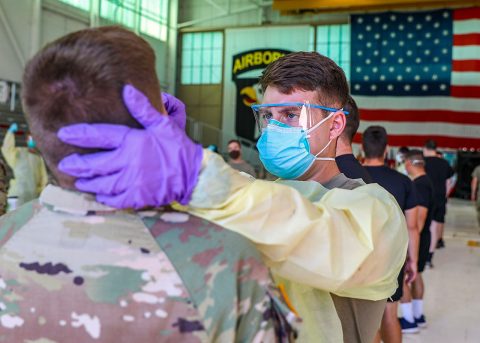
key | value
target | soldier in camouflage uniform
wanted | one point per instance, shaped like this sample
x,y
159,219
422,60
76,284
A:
x,y
74,270
6,175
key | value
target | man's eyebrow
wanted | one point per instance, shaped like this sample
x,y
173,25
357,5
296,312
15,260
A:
x,y
289,109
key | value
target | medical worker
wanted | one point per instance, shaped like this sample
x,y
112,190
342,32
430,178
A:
x,y
343,243
30,174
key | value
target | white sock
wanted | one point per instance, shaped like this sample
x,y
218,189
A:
x,y
407,311
417,305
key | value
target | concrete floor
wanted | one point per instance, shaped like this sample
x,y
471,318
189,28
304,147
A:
x,y
452,299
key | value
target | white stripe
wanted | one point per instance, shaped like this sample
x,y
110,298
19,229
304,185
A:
x,y
469,52
427,128
419,103
466,79
466,26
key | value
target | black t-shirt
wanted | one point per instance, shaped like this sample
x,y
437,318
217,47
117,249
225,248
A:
x,y
424,189
352,169
439,171
397,184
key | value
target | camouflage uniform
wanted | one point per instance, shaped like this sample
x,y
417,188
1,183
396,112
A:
x,y
6,175
74,270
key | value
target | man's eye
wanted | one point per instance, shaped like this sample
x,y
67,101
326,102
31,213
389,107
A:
x,y
267,116
291,115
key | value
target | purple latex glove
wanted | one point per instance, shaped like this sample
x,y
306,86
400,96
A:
x,y
175,109
150,167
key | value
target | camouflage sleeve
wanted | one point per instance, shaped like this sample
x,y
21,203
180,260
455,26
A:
x,y
15,220
3,188
226,278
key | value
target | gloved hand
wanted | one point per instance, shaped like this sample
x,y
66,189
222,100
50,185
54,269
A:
x,y
175,109
150,167
13,128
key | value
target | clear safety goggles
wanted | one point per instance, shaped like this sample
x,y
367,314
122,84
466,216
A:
x,y
295,114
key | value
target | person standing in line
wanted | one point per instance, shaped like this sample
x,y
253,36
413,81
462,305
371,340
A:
x,y
474,196
346,161
401,187
412,300
235,158
440,172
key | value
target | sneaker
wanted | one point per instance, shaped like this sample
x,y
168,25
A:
x,y
440,244
421,322
408,327
429,264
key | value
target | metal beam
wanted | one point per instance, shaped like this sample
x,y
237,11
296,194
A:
x,y
11,37
36,26
226,14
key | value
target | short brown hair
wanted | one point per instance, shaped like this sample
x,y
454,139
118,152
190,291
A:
x,y
308,71
374,141
79,78
352,119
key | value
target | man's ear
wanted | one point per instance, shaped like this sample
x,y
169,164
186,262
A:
x,y
338,124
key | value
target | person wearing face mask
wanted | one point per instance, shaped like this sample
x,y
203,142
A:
x,y
235,158
30,173
335,244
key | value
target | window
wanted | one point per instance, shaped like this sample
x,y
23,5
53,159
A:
x,y
202,58
334,41
82,4
146,16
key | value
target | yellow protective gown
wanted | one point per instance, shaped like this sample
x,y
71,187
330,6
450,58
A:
x,y
28,169
352,243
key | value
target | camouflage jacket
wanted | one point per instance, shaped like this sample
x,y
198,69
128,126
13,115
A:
x,y
73,270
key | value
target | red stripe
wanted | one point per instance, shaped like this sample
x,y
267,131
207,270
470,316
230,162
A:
x,y
466,65
466,39
441,116
465,91
442,141
467,13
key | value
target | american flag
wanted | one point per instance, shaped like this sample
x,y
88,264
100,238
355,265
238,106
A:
x,y
418,75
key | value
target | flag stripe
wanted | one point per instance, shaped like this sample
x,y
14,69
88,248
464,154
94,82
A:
x,y
466,65
466,52
465,91
419,140
418,103
465,79
466,39
466,26
467,13
425,128
414,116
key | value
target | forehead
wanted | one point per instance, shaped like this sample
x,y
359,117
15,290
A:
x,y
233,144
273,95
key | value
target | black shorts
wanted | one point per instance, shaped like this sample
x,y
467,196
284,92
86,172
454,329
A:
x,y
439,212
399,292
423,249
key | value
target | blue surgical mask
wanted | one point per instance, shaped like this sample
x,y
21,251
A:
x,y
285,151
31,143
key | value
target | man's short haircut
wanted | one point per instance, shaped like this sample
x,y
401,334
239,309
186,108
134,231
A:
x,y
352,119
79,78
234,141
431,144
403,150
375,141
416,157
308,71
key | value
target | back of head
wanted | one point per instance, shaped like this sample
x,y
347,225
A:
x,y
308,71
403,150
415,157
353,120
430,144
375,141
79,78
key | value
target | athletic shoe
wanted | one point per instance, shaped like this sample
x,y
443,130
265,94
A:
x,y
429,264
421,322
440,244
408,327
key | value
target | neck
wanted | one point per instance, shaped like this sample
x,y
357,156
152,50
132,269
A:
x,y
374,162
321,171
417,172
238,160
343,148
429,153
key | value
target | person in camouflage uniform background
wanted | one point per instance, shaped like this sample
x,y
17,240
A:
x,y
74,270
6,174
